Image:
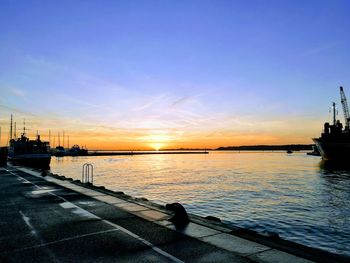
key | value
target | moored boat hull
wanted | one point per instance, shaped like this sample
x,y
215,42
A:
x,y
333,151
33,160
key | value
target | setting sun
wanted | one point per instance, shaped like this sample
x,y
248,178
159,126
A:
x,y
156,141
157,146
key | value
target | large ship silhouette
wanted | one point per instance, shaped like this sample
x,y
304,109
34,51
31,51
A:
x,y
334,143
28,152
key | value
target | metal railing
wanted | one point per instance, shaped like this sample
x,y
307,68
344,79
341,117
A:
x,y
87,175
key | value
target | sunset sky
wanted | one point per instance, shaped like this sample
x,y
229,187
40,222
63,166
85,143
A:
x,y
170,74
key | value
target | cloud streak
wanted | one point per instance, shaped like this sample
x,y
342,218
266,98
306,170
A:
x,y
319,49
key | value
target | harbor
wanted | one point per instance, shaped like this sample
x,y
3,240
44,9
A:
x,y
291,195
174,131
58,219
220,188
170,176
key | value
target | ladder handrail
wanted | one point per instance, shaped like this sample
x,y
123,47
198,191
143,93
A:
x,y
86,175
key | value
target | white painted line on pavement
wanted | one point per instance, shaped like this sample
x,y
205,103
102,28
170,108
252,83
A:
x,y
64,240
26,219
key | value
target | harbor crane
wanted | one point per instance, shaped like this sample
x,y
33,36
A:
x,y
345,108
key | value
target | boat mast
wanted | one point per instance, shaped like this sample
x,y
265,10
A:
x,y
24,127
334,114
11,129
15,131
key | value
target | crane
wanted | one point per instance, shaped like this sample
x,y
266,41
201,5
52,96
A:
x,y
345,108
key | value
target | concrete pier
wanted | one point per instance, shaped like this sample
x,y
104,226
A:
x,y
45,219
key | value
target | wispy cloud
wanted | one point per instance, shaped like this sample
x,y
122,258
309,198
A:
x,y
17,92
181,101
319,49
151,101
16,110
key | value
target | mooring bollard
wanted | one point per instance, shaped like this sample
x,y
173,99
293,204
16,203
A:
x,y
87,175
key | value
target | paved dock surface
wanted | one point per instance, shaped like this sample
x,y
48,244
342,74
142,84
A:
x,y
44,219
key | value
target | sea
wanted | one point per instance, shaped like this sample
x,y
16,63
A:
x,y
297,196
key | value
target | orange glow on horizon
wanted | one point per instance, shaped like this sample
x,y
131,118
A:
x,y
199,143
114,138
106,141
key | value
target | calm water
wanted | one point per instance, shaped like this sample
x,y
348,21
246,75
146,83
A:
x,y
292,195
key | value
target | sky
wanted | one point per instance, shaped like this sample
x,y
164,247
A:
x,y
172,74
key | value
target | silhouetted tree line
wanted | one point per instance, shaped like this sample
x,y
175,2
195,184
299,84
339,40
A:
x,y
293,147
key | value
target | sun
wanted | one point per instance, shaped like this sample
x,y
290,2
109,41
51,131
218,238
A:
x,y
157,145
157,141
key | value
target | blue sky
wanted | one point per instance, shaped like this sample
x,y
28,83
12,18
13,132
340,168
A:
x,y
174,73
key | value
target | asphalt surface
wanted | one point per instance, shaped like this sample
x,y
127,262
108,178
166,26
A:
x,y
44,222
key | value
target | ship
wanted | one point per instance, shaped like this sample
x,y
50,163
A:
x,y
334,142
24,151
29,152
59,151
77,151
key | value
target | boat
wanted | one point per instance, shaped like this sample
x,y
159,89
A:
x,y
315,151
289,151
334,142
29,152
59,151
77,151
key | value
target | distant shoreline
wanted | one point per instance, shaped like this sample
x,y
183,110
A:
x,y
293,147
285,147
